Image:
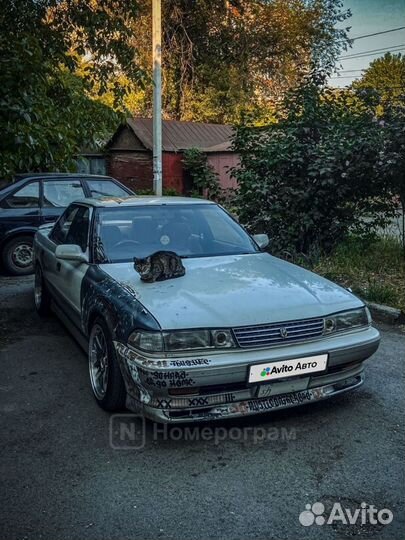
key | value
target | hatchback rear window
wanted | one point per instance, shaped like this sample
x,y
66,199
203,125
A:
x,y
105,188
60,193
26,197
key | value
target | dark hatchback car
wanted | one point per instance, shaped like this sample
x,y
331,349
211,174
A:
x,y
35,199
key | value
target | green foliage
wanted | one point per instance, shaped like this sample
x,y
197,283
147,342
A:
x,y
373,267
383,82
372,255
204,180
382,87
101,31
222,59
310,178
392,159
46,115
380,293
45,128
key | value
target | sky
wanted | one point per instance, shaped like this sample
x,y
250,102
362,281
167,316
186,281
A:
x,y
368,17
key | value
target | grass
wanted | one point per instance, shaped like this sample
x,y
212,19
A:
x,y
374,269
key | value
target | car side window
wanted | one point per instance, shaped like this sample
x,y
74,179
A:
x,y
79,229
105,188
60,193
62,226
26,197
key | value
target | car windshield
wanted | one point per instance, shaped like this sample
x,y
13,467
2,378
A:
x,y
190,230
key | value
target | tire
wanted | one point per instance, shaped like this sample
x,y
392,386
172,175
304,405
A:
x,y
42,297
105,375
17,256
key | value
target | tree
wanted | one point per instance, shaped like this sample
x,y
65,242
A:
x,y
45,112
392,158
57,122
223,58
384,81
383,87
311,177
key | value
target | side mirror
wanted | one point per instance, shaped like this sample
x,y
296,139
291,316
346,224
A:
x,y
262,240
70,252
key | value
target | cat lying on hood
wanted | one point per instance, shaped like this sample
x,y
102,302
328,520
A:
x,y
159,266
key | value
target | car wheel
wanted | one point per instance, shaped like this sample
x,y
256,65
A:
x,y
17,256
42,298
105,375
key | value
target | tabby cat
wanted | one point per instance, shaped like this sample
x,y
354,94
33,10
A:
x,y
159,266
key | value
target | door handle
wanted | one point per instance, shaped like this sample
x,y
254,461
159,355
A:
x,y
49,218
58,266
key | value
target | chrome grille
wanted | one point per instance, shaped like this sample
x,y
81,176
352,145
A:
x,y
278,333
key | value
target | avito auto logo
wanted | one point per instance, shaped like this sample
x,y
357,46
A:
x,y
275,370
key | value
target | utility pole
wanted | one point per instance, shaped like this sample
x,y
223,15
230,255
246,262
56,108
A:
x,y
157,96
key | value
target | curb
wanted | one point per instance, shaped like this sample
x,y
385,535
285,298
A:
x,y
386,314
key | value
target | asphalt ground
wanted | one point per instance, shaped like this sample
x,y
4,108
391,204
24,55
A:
x,y
71,471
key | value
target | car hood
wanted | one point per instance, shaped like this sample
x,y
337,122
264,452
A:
x,y
237,290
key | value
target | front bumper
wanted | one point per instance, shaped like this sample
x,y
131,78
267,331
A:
x,y
220,383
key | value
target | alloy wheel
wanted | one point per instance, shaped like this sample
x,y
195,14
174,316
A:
x,y
98,361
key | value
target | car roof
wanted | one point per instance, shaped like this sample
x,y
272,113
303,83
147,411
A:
x,y
21,179
24,176
113,202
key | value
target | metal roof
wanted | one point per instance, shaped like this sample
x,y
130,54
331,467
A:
x,y
108,202
177,136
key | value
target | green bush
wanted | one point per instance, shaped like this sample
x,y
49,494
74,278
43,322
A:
x,y
205,180
310,178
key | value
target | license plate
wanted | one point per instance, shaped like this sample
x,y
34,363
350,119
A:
x,y
282,387
285,400
271,371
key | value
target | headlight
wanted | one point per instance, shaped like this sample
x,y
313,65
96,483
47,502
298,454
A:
x,y
184,341
347,320
181,340
146,341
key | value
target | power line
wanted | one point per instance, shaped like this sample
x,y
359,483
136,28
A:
x,y
378,33
351,70
369,51
337,77
380,49
352,77
371,54
345,76
379,87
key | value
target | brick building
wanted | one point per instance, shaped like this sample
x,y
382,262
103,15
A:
x,y
129,152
